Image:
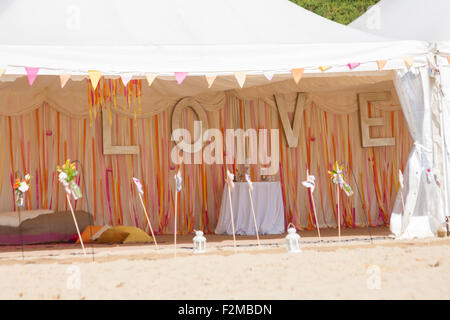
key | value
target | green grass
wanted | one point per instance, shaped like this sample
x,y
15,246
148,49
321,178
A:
x,y
342,11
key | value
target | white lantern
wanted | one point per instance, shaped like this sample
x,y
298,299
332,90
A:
x,y
199,242
293,240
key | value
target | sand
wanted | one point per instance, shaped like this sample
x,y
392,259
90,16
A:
x,y
354,269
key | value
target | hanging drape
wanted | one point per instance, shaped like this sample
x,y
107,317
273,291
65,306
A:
x,y
422,214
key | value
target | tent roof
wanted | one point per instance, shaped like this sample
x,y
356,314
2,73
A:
x,y
407,20
201,36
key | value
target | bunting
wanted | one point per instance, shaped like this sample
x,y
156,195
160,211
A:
x,y
240,77
180,76
95,77
324,68
269,75
297,74
353,65
381,64
63,78
150,78
210,79
409,61
32,74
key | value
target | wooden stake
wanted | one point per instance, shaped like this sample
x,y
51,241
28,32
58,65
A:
x,y
338,212
148,220
254,216
315,213
232,218
175,224
76,224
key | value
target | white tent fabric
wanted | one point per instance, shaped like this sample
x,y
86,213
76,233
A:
x,y
199,37
202,36
420,20
407,20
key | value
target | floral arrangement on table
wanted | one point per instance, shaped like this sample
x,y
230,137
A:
x,y
20,188
67,175
337,178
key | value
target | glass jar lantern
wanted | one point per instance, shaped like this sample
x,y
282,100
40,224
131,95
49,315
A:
x,y
293,240
199,242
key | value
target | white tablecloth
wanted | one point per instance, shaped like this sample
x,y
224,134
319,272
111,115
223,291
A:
x,y
268,204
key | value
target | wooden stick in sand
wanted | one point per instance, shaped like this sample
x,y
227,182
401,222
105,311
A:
x,y
76,224
230,184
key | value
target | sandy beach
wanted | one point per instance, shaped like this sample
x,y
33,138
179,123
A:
x,y
353,269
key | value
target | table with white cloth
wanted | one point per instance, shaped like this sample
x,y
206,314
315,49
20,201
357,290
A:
x,y
268,205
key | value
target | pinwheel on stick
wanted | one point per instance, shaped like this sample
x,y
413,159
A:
x,y
178,181
337,178
250,190
67,175
230,183
140,190
310,184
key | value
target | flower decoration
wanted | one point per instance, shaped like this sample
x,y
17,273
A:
x,y
67,175
337,178
20,188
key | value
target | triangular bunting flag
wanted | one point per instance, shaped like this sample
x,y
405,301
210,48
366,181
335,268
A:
x,y
269,75
63,78
32,74
2,71
95,77
126,77
210,79
353,65
381,64
324,68
297,74
150,78
448,59
180,76
240,77
409,61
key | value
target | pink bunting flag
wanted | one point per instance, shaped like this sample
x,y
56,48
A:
x,y
32,74
63,78
180,76
353,65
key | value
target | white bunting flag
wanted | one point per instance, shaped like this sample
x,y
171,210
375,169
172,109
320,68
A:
x,y
240,77
269,75
126,77
150,78
210,79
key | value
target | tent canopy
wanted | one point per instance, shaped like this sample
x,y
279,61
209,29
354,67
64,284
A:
x,y
407,20
202,36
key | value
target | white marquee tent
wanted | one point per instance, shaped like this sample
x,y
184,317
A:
x,y
419,20
205,37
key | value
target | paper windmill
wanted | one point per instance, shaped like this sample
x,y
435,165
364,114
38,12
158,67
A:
x,y
337,178
249,182
310,181
400,179
229,180
138,184
178,181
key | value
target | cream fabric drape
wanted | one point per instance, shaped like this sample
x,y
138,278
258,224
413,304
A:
x,y
422,214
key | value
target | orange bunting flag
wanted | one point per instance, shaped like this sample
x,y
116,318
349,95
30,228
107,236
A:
x,y
324,68
448,59
381,64
95,77
409,61
150,78
210,79
297,74
240,77
32,74
63,78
